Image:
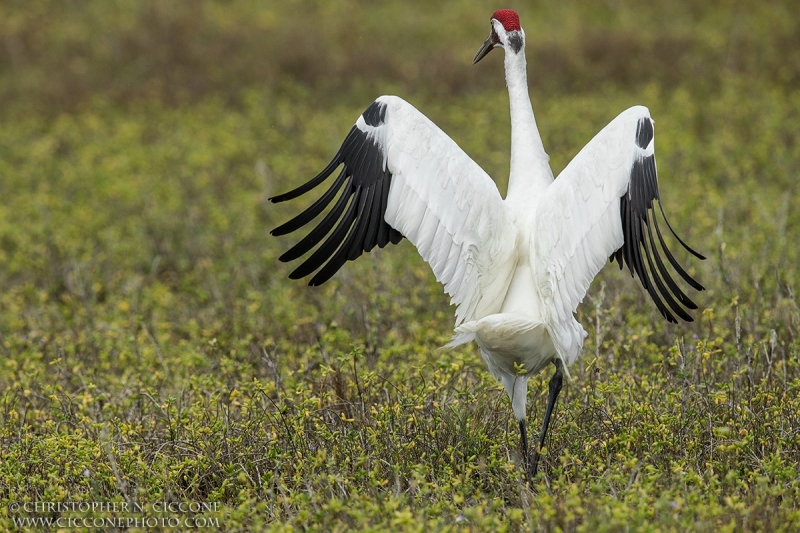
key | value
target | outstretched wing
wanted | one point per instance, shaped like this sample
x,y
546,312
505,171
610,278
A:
x,y
602,206
402,176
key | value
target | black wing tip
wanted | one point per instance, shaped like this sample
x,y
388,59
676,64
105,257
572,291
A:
x,y
287,256
356,224
687,318
642,255
689,249
672,230
317,281
295,275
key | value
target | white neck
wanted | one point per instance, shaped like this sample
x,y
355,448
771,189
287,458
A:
x,y
530,167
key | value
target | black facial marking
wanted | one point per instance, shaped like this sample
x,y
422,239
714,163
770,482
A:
x,y
515,41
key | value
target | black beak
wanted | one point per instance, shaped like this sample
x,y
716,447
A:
x,y
487,46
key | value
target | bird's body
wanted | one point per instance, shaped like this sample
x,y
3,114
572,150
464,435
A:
x,y
516,268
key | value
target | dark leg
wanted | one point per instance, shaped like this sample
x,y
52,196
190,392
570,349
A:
x,y
555,388
523,431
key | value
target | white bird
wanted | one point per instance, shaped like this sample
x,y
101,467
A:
x,y
516,268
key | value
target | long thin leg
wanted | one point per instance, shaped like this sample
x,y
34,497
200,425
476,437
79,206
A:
x,y
555,388
523,431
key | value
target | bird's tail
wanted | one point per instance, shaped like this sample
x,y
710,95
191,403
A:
x,y
461,337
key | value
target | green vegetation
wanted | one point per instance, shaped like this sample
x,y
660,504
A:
x,y
152,349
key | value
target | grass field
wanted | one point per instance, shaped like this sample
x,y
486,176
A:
x,y
152,348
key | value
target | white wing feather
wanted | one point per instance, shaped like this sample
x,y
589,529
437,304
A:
x,y
578,225
450,209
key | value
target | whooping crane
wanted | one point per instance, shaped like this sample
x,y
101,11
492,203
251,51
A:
x,y
516,268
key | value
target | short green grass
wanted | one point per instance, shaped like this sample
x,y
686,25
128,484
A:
x,y
152,348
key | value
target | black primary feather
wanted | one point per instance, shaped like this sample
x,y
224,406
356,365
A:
x,y
638,218
355,224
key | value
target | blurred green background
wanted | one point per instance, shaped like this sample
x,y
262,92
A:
x,y
58,56
152,347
